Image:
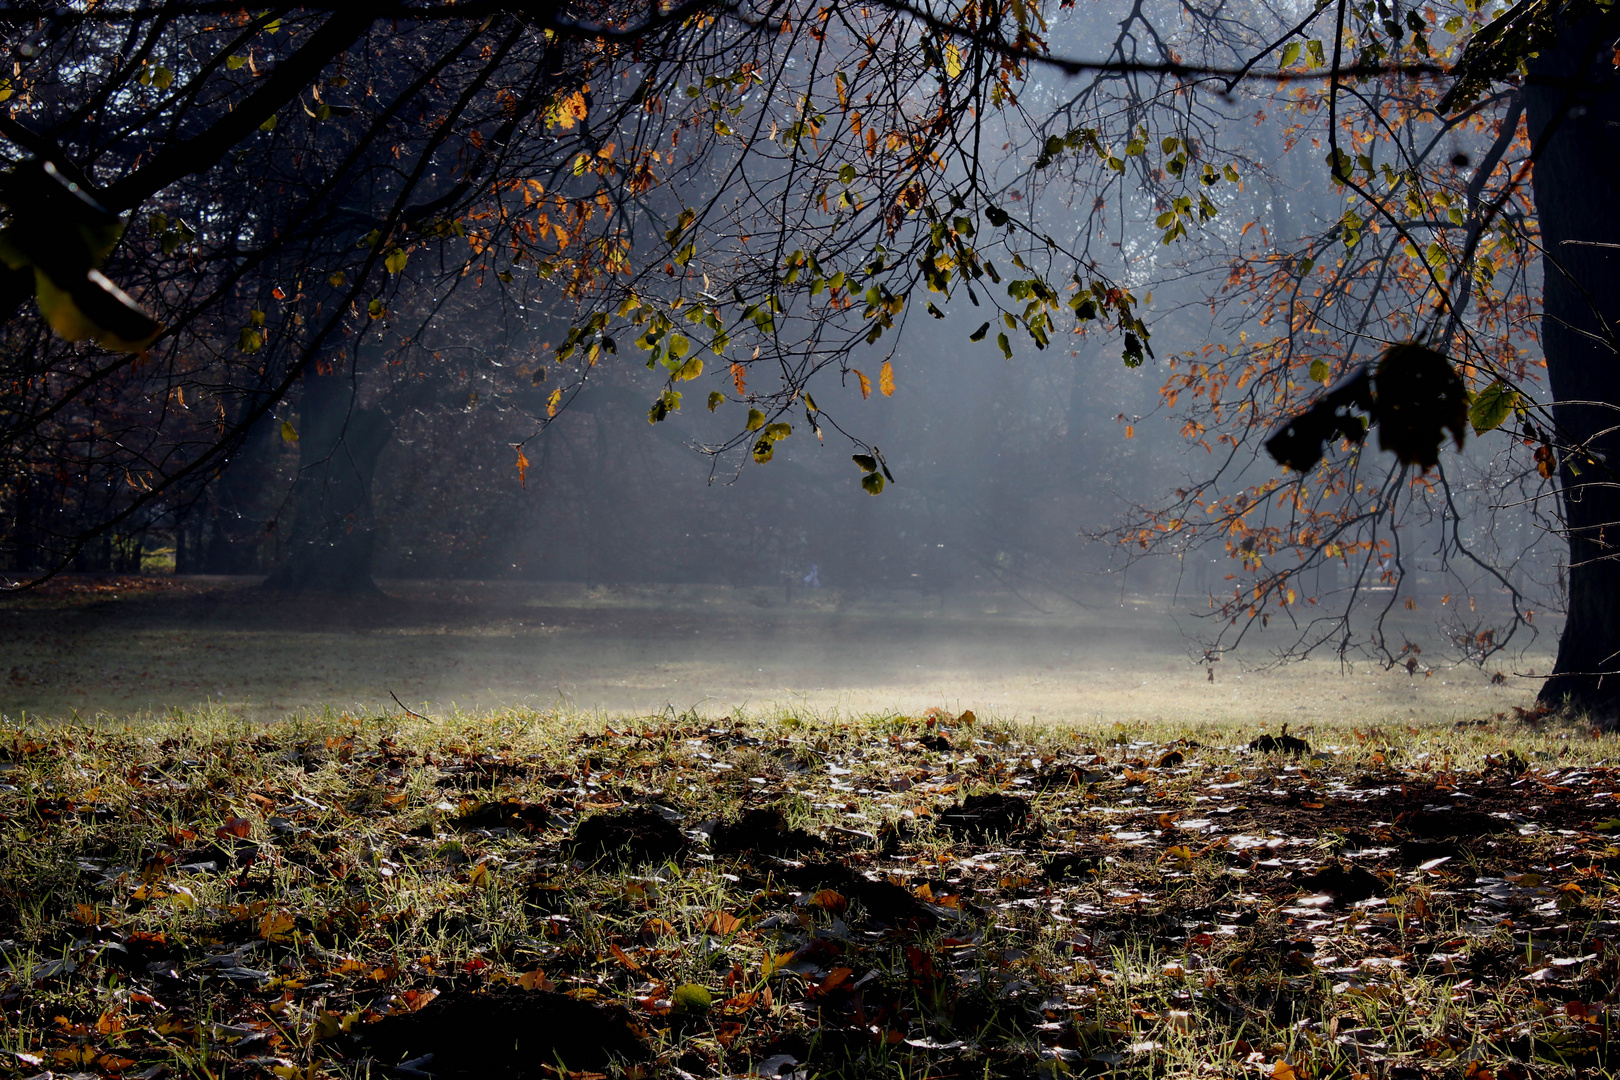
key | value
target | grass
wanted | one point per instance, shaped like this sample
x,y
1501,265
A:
x,y
334,895
122,646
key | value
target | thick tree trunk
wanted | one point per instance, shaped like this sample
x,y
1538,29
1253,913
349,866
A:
x,y
1573,112
333,533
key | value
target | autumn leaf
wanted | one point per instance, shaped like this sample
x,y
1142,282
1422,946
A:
x,y
722,924
535,980
866,384
522,468
886,379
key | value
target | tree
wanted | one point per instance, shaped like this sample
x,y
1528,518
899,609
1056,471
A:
x,y
760,199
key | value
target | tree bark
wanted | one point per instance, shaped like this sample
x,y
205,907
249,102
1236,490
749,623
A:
x,y
1573,113
333,534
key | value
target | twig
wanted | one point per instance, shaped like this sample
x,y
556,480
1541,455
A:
x,y
408,712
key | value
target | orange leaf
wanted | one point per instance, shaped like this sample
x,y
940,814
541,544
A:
x,y
835,977
886,379
523,468
535,980
866,384
737,378
830,901
1130,431
722,924
1281,1070
624,958
234,826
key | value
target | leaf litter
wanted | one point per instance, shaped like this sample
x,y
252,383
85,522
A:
x,y
518,894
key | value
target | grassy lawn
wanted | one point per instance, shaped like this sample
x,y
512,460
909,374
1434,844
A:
x,y
523,894
84,647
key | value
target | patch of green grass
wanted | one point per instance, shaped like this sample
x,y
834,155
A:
x,y
205,897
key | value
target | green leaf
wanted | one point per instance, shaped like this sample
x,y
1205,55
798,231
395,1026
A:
x,y
873,483
846,175
288,432
1006,346
235,63
395,260
269,123
756,419
1492,407
1290,53
1320,372
978,335
867,462
691,998
716,399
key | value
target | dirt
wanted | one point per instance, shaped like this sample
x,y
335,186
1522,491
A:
x,y
627,838
982,816
505,1033
1280,744
763,831
514,814
1346,884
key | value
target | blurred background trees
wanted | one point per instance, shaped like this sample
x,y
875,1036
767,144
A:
x,y
426,274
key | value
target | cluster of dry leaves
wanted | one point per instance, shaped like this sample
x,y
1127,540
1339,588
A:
x,y
512,895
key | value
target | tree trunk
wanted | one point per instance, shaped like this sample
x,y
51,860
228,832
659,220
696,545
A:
x,y
1573,112
333,533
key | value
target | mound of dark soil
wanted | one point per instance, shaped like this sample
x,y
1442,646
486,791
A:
x,y
764,831
511,814
1418,852
1346,884
627,838
981,816
503,1034
1280,744
883,901
1448,824
1072,865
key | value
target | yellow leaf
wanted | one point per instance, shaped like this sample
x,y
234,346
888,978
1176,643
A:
x,y
866,384
522,468
289,432
1281,1070
275,926
774,962
953,61
886,379
553,401
1130,431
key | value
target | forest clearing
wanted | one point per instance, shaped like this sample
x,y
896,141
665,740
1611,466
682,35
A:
x,y
130,646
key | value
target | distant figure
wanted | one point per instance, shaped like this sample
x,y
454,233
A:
x,y
813,578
